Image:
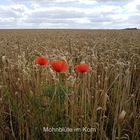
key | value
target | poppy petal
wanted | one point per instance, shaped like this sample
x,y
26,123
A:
x,y
41,60
59,66
81,68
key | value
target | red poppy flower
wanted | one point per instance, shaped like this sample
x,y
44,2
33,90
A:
x,y
82,68
41,60
59,66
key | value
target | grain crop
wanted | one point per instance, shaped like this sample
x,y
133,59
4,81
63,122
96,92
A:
x,y
106,96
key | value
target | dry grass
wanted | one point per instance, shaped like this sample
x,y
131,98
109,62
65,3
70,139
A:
x,y
106,98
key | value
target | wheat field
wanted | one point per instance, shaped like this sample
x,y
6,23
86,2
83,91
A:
x,y
35,99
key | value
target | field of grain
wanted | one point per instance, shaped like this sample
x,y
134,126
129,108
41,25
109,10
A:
x,y
34,97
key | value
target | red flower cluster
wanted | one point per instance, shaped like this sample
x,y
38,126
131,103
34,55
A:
x,y
61,66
